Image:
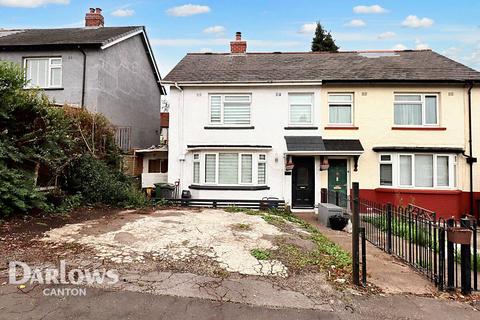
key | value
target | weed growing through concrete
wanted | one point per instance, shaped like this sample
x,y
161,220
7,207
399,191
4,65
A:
x,y
261,254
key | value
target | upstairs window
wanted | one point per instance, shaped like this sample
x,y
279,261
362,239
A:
x,y
416,109
340,108
230,109
43,72
301,108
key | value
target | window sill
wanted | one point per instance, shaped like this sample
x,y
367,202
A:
x,y
341,128
420,128
246,188
229,128
418,191
300,128
45,89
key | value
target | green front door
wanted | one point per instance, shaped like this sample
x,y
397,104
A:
x,y
337,180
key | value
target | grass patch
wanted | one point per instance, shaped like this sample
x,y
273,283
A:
x,y
325,255
242,227
260,254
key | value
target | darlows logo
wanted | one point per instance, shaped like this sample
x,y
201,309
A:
x,y
20,273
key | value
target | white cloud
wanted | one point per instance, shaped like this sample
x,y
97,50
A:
x,y
399,47
30,3
415,22
369,9
218,30
356,23
386,35
203,50
123,13
419,45
308,28
188,10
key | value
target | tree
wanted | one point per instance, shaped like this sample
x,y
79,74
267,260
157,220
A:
x,y
323,41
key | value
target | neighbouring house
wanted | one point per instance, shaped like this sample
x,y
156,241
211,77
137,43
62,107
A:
x,y
252,125
110,70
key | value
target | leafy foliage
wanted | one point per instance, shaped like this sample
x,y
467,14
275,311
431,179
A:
x,y
74,146
323,40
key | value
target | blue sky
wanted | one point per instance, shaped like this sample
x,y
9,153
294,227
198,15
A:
x,y
177,27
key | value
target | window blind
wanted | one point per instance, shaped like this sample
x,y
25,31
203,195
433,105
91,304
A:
x,y
228,168
247,168
210,168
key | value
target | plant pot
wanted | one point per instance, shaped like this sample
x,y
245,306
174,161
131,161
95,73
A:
x,y
459,235
324,167
338,222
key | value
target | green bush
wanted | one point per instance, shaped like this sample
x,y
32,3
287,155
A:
x,y
99,183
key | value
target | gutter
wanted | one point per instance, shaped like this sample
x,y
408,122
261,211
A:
x,y
470,159
83,75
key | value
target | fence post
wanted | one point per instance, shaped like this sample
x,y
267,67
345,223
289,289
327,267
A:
x,y
450,260
475,257
389,228
441,258
364,257
337,198
324,195
355,234
465,265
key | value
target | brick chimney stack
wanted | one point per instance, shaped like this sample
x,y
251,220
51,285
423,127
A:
x,y
94,18
239,45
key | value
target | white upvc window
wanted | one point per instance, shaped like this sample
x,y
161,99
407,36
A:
x,y
412,109
262,169
340,108
43,72
418,170
196,168
386,170
230,109
300,108
228,168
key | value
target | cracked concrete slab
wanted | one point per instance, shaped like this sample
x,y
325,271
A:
x,y
185,234
242,290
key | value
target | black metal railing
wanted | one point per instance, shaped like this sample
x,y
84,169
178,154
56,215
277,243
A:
x,y
415,235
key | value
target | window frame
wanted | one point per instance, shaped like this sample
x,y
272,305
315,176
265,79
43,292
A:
x,y
50,67
395,161
422,102
390,162
263,161
203,176
351,104
312,114
222,108
197,160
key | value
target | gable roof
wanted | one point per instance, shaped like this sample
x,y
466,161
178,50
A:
x,y
408,65
66,36
97,37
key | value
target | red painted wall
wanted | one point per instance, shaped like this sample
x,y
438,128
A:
x,y
445,203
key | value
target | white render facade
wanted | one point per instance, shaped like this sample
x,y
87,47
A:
x,y
195,140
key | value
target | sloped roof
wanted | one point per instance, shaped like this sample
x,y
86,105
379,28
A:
x,y
407,65
316,143
64,36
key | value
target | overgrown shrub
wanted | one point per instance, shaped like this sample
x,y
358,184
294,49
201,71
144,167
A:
x,y
99,183
77,148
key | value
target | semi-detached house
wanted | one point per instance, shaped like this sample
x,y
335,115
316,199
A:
x,y
398,122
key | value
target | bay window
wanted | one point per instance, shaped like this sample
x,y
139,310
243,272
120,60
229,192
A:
x,y
231,109
43,72
340,108
229,168
300,108
422,170
416,109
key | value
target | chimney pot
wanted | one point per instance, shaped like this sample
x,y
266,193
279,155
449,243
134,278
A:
x,y
238,45
94,18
